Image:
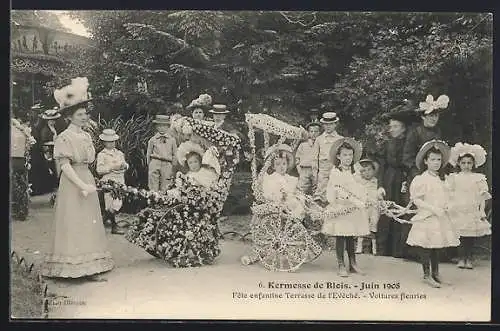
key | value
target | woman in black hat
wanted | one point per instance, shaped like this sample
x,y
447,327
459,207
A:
x,y
429,111
391,237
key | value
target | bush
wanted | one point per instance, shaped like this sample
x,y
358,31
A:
x,y
26,293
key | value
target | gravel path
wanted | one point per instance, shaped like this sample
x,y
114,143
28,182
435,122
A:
x,y
143,287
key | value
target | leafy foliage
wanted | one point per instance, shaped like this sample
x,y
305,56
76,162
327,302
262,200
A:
x,y
359,64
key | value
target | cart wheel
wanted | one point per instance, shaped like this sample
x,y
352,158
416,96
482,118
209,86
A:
x,y
281,242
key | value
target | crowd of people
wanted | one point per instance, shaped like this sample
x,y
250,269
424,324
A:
x,y
335,172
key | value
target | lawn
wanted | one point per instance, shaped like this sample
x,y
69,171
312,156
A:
x,y
26,293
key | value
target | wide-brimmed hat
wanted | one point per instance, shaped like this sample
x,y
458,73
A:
x,y
430,105
204,101
211,159
405,113
219,109
461,149
73,96
356,146
329,117
109,135
187,147
364,161
50,114
38,107
161,119
275,149
438,144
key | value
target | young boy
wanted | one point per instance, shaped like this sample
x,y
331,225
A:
x,y
366,175
321,161
160,156
303,159
111,165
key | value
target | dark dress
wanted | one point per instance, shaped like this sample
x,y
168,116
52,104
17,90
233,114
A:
x,y
392,173
43,176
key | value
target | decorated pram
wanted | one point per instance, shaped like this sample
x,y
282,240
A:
x,y
281,241
181,227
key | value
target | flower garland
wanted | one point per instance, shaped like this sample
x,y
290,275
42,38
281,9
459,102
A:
x,y
22,188
275,126
181,226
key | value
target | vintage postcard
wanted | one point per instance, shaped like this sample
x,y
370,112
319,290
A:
x,y
251,165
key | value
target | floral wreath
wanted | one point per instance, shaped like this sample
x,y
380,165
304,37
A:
x,y
181,226
30,141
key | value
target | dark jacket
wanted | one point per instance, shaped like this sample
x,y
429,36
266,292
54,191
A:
x,y
415,138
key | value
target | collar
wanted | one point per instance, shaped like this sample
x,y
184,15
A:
x,y
109,151
75,128
333,134
161,135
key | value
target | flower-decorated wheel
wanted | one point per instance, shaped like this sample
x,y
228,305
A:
x,y
280,242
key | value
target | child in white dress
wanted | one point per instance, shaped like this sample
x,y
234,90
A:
x,y
432,228
111,165
468,194
280,187
347,210
203,167
365,171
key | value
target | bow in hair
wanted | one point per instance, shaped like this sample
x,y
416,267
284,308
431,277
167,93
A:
x,y
430,104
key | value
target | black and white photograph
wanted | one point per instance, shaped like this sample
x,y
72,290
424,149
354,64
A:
x,y
251,165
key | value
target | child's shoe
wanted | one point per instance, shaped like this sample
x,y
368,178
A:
x,y
461,264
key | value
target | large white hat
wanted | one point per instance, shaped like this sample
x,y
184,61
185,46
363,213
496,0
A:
x,y
461,149
210,158
74,95
438,144
275,149
187,147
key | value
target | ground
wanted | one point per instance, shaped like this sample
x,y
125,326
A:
x,y
143,287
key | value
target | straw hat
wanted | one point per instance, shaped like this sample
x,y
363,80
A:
x,y
73,96
329,117
187,147
438,144
51,114
219,109
109,135
162,119
349,141
274,150
461,149
37,107
364,161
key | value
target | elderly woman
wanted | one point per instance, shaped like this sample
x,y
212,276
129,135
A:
x,y
392,176
79,239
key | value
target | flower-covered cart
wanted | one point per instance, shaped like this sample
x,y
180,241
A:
x,y
181,226
280,240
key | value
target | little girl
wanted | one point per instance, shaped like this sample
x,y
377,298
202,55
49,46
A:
x,y
203,167
111,165
347,216
277,185
431,226
468,194
366,170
